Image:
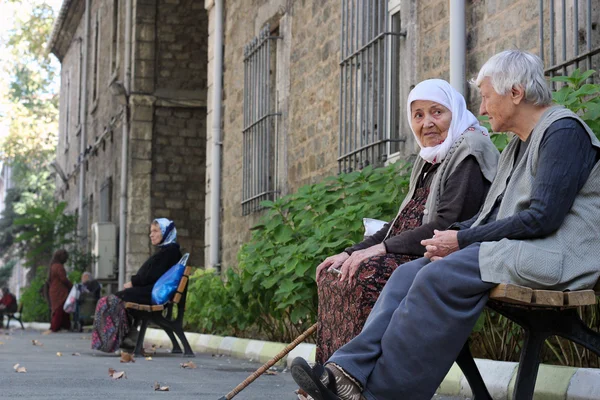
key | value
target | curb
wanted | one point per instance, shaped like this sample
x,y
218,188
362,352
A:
x,y
553,382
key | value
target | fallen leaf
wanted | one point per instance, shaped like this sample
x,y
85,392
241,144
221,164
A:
x,y
269,372
59,354
75,354
116,375
189,364
18,368
148,358
36,343
47,332
127,357
159,388
1,343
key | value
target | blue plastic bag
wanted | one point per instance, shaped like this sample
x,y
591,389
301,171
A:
x,y
167,284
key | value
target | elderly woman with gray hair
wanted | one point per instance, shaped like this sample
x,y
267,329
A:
x,y
538,227
449,180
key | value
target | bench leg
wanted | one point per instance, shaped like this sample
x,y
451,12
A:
x,y
529,364
573,328
176,348
139,344
186,346
467,365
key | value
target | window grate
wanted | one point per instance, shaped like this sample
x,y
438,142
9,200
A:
x,y
369,112
260,117
567,37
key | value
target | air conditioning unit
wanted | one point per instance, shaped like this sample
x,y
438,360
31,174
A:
x,y
104,249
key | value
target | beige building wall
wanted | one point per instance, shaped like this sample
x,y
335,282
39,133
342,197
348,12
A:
x,y
309,81
167,114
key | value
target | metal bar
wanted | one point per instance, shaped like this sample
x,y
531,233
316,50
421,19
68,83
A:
x,y
368,115
589,36
256,197
572,60
351,86
372,41
552,18
541,22
576,31
385,119
357,67
361,131
377,143
256,48
268,133
564,35
341,117
378,75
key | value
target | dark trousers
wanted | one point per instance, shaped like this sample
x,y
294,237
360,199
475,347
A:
x,y
420,322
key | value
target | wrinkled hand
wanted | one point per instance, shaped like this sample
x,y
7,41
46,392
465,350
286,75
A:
x,y
331,262
127,285
441,244
350,266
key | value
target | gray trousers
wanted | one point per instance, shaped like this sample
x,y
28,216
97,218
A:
x,y
418,326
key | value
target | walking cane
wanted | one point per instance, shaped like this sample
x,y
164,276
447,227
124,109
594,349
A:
x,y
269,363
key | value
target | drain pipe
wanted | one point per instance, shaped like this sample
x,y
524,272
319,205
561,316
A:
x,y
458,46
215,176
83,110
125,147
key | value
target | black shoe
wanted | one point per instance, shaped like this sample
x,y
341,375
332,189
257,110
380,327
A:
x,y
308,380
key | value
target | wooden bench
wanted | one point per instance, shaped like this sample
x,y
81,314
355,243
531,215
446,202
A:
x,y
162,315
17,316
541,313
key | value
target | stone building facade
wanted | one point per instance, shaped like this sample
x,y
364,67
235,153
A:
x,y
297,76
166,109
307,77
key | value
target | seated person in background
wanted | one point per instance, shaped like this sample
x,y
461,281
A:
x,y
112,325
449,181
538,227
8,305
89,293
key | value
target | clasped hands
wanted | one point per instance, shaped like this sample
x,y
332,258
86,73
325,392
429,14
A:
x,y
441,244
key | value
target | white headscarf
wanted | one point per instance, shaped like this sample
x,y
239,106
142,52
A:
x,y
441,92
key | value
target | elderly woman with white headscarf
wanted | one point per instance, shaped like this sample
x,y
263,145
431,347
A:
x,y
449,181
112,325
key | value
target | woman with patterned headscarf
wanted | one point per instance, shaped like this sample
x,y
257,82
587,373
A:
x,y
112,326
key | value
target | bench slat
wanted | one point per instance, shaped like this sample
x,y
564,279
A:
x,y
182,283
512,293
187,271
550,298
580,298
176,298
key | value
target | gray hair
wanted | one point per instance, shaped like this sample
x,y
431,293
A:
x,y
86,273
516,68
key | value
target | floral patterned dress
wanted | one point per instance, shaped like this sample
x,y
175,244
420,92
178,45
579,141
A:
x,y
344,308
111,324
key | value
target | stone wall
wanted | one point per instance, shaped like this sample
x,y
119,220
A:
x,y
178,179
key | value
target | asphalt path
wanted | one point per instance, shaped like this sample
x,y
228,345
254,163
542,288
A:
x,y
81,373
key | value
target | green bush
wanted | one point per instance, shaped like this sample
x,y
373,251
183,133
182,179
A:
x,y
35,307
272,292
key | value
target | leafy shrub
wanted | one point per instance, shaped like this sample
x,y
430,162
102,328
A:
x,y
35,308
272,292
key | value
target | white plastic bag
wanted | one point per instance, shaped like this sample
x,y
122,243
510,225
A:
x,y
372,226
71,301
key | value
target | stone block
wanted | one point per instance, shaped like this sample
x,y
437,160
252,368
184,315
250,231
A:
x,y
141,167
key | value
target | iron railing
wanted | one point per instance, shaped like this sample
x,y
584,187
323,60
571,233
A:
x,y
259,134
369,104
572,24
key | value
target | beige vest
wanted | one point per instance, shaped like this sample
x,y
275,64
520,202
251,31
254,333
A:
x,y
568,258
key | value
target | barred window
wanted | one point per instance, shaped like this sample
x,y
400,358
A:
x,y
568,37
370,112
260,120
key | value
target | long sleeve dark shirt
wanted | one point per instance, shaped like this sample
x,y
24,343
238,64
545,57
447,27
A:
x,y
566,158
464,193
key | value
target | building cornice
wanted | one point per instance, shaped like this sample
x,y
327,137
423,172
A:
x,y
64,27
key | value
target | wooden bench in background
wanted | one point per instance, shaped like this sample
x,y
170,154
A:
x,y
163,316
541,313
